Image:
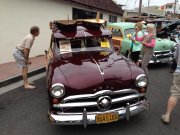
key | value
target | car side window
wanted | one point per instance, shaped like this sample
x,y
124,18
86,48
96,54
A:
x,y
92,42
76,43
116,32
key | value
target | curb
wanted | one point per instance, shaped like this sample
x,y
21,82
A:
x,y
19,77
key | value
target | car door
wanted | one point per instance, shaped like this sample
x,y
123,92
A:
x,y
117,37
126,42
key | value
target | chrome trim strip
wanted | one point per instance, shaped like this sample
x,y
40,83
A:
x,y
70,105
99,93
127,111
57,84
140,76
100,69
85,118
125,98
93,104
162,51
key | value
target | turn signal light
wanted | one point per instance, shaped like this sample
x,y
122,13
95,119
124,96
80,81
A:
x,y
55,100
143,90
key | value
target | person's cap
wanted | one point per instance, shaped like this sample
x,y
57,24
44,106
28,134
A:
x,y
151,25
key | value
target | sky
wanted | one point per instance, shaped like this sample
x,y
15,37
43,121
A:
x,y
131,4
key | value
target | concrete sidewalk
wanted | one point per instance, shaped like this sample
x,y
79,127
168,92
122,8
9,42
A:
x,y
10,73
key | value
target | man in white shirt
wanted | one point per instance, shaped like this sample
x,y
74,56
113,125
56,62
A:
x,y
21,54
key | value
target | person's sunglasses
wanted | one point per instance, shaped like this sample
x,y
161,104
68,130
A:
x,y
135,28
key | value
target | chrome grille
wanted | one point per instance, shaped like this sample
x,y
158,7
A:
x,y
163,54
119,99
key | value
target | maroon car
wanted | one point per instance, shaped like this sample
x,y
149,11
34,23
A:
x,y
88,81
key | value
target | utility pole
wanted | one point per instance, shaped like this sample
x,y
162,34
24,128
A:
x,y
175,4
140,5
174,7
148,2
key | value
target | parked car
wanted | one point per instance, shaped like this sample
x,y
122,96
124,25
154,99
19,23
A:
x,y
171,30
163,50
88,82
165,28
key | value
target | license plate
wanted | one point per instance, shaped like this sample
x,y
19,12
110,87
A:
x,y
106,117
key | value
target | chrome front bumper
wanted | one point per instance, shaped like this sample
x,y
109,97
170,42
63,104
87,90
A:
x,y
162,58
86,118
165,60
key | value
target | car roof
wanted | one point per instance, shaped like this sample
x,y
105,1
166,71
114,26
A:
x,y
77,29
82,32
123,25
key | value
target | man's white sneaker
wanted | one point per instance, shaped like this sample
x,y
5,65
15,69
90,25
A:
x,y
165,119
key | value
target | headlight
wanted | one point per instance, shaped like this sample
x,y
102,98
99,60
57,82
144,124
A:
x,y
141,81
174,48
57,90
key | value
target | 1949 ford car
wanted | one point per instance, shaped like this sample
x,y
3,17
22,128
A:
x,y
163,50
88,82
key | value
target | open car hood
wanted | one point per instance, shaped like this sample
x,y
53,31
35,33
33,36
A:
x,y
171,26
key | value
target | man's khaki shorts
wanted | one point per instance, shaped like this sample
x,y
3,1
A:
x,y
175,88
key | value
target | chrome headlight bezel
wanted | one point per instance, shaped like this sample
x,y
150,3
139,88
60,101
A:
x,y
174,48
57,90
141,81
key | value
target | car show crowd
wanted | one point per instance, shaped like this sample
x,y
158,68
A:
x,y
142,43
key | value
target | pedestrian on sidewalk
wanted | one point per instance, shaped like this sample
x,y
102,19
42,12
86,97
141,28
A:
x,y
21,54
174,90
136,45
148,47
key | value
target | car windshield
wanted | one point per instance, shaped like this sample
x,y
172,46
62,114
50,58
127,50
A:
x,y
128,31
131,31
84,44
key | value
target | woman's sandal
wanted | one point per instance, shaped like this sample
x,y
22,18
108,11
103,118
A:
x,y
29,87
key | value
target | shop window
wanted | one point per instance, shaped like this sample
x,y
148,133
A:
x,y
84,14
112,18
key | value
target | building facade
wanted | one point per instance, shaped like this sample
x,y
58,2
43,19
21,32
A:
x,y
170,8
17,16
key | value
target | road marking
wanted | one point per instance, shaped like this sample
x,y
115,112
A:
x,y
19,83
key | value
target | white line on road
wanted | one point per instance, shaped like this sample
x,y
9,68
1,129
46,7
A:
x,y
19,83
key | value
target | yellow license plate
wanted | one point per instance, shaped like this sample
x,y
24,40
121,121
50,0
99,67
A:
x,y
106,117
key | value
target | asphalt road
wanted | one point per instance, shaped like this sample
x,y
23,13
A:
x,y
25,112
